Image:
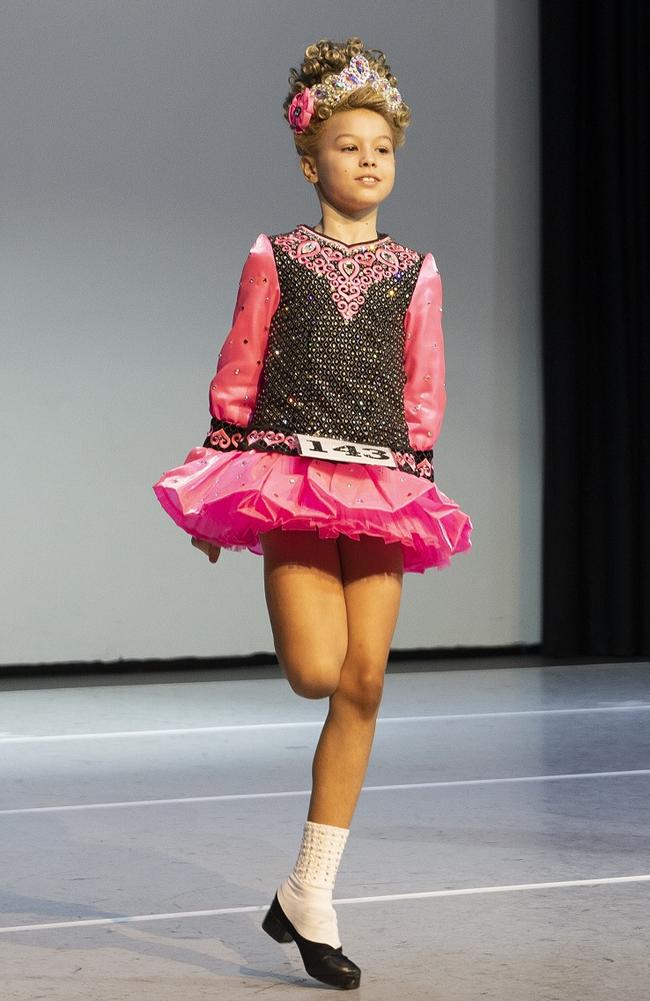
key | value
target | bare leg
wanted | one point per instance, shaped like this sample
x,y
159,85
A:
x,y
372,582
306,604
333,605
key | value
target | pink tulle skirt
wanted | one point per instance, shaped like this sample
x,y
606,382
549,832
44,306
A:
x,y
231,498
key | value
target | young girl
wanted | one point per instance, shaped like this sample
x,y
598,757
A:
x,y
327,400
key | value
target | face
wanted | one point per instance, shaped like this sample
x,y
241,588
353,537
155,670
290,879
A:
x,y
352,144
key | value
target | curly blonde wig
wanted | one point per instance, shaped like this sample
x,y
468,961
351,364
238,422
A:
x,y
326,58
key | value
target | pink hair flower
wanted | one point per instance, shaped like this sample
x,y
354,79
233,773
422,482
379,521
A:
x,y
301,110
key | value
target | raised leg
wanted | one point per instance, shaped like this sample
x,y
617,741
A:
x,y
306,605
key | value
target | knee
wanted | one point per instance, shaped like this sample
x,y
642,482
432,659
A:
x,y
313,688
362,689
314,682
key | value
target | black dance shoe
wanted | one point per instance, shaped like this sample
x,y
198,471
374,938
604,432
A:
x,y
322,961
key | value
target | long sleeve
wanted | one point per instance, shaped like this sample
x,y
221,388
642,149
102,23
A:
x,y
425,395
234,386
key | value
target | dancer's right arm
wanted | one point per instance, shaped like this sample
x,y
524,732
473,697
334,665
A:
x,y
234,386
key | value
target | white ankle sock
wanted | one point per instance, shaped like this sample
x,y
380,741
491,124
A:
x,y
306,895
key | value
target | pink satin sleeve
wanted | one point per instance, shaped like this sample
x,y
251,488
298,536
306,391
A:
x,y
234,386
425,395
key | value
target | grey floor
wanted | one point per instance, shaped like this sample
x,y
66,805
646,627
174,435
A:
x,y
500,848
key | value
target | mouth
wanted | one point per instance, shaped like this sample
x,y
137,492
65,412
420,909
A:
x,y
368,179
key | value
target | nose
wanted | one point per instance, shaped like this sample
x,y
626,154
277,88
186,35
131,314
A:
x,y
368,159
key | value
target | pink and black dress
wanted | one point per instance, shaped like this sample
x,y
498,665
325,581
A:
x,y
342,341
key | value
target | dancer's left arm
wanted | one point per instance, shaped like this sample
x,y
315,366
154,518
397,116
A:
x,y
425,394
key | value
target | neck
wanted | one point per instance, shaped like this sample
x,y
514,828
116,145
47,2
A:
x,y
348,230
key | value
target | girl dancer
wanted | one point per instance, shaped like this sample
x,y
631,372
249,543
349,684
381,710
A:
x,y
327,400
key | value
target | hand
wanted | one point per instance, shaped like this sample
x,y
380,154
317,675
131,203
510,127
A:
x,y
208,548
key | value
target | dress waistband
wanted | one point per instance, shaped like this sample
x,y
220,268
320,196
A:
x,y
224,436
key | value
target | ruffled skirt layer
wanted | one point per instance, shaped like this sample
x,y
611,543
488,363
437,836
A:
x,y
231,498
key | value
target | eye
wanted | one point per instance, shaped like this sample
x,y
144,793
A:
x,y
384,149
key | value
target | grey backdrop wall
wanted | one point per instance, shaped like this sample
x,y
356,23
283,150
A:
x,y
143,151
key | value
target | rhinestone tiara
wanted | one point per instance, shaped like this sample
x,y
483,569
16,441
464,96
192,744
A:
x,y
356,74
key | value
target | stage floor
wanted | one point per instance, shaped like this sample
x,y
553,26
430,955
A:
x,y
499,850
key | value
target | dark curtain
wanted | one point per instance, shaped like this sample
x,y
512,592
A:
x,y
595,282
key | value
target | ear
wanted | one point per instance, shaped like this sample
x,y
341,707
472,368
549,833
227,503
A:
x,y
308,167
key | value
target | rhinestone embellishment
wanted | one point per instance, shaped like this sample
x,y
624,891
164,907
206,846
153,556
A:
x,y
356,74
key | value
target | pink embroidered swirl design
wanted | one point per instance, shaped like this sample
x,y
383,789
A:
x,y
349,275
221,439
272,438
